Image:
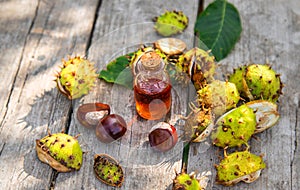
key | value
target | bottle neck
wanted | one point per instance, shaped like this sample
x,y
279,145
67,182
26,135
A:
x,y
151,67
151,62
158,70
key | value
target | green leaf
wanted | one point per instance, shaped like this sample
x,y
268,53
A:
x,y
118,71
219,27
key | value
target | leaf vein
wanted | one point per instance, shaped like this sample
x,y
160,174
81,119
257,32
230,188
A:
x,y
222,24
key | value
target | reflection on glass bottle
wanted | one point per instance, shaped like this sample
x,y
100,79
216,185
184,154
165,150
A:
x,y
152,88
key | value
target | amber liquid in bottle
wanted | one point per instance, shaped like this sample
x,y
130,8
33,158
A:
x,y
152,98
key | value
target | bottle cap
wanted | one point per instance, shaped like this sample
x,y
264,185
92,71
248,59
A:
x,y
151,60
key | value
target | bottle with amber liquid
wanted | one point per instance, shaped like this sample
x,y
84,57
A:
x,y
152,87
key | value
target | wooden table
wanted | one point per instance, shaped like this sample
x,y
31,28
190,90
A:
x,y
36,35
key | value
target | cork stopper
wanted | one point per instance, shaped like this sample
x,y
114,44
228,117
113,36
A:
x,y
151,60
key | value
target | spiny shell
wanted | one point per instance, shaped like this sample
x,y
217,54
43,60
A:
x,y
196,65
61,151
238,79
263,82
257,81
107,170
184,181
235,127
239,166
170,23
218,95
76,78
198,125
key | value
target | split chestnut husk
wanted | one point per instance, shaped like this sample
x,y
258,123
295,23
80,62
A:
x,y
108,170
239,166
60,151
192,181
266,112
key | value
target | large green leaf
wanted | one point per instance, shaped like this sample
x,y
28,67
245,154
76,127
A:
x,y
118,71
219,27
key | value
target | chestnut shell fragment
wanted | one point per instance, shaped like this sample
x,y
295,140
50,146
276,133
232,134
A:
x,y
90,114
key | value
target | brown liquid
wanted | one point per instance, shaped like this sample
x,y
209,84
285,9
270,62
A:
x,y
152,98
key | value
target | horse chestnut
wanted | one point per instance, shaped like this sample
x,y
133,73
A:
x,y
163,136
90,114
111,128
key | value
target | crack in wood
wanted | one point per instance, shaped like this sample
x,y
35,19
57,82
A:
x,y
2,148
53,179
19,64
25,45
89,42
54,174
70,111
69,119
29,32
294,156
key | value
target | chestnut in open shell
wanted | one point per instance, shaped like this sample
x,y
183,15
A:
x,y
90,114
163,137
111,128
108,170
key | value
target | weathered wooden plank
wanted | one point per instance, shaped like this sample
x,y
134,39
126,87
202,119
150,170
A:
x,y
34,103
127,24
270,30
14,27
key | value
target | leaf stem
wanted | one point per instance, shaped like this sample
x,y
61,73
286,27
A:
x,y
185,157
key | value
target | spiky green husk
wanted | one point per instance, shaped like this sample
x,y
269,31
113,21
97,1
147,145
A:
x,y
64,148
108,170
170,23
76,78
236,165
196,65
257,81
219,95
263,82
185,181
234,128
238,79
196,124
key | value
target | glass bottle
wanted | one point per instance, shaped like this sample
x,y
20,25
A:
x,y
152,87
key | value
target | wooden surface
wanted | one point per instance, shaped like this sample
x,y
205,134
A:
x,y
36,35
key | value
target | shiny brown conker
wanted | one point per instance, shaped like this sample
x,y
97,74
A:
x,y
90,114
163,137
111,128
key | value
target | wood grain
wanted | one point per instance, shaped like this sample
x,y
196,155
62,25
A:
x,y
35,35
48,31
270,30
121,28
